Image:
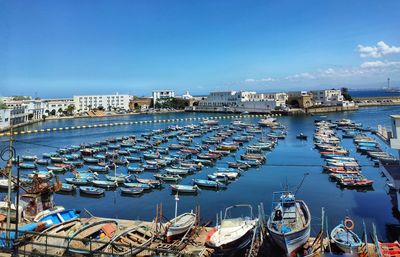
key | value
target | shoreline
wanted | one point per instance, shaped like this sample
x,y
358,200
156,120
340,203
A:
x,y
82,117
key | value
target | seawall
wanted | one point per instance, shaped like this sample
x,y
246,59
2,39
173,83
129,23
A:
x,y
377,101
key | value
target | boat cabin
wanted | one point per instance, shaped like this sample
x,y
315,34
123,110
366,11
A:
x,y
287,215
32,204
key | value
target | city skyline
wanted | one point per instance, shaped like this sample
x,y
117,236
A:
x,y
65,48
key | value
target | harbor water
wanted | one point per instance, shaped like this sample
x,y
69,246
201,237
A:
x,y
286,164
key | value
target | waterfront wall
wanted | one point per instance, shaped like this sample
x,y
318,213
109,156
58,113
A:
x,y
226,110
324,109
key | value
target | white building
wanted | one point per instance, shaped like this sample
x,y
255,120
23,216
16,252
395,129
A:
x,y
244,101
4,119
160,94
187,96
108,102
54,105
18,115
33,108
327,97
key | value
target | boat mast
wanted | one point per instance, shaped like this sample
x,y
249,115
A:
x,y
9,169
176,205
301,183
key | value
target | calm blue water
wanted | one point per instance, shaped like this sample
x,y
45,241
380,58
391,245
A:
x,y
372,93
288,162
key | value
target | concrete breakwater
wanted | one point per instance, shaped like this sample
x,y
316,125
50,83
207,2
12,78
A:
x,y
377,101
324,109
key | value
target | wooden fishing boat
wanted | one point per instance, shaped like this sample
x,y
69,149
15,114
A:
x,y
122,162
203,162
42,162
54,240
153,182
91,190
234,233
239,165
138,185
134,169
343,236
221,179
151,156
133,158
268,122
131,190
99,233
48,155
130,242
289,223
104,183
175,171
150,167
97,168
121,178
258,157
27,166
78,181
58,216
301,136
29,158
229,174
356,182
47,212
57,159
90,160
56,169
208,183
250,162
180,225
188,189
67,188
114,146
167,177
176,146
76,164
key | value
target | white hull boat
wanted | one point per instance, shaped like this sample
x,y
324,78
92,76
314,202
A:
x,y
289,223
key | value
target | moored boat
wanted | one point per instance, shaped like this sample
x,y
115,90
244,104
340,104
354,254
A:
x,y
344,237
78,241
233,234
289,223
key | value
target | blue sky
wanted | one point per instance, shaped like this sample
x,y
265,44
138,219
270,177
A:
x,y
66,47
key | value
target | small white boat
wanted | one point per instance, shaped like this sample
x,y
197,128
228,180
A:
x,y
185,188
4,184
233,234
180,225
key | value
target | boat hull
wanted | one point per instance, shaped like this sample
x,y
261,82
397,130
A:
x,y
290,243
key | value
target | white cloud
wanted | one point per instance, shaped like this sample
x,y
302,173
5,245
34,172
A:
x,y
377,51
304,75
379,64
268,79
